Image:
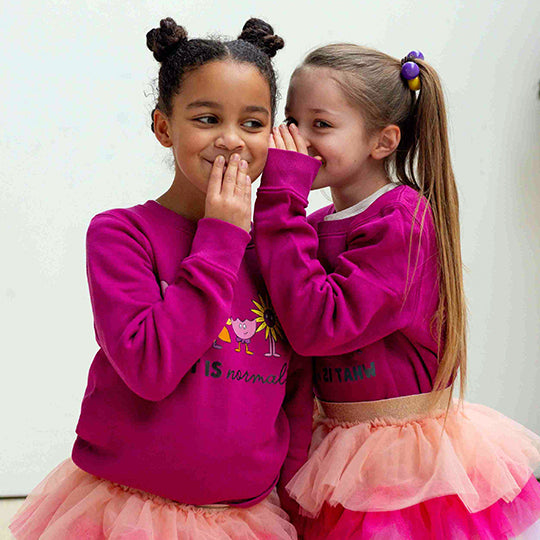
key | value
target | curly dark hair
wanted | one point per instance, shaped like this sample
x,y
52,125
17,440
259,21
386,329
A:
x,y
178,55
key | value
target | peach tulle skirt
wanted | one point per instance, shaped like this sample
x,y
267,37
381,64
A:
x,y
469,475
72,504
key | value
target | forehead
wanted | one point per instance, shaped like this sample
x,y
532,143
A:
x,y
316,88
229,83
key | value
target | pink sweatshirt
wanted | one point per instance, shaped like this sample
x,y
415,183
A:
x,y
354,292
194,391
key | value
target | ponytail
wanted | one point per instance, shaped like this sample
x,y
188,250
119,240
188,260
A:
x,y
435,181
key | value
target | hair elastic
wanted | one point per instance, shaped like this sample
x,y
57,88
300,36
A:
x,y
410,70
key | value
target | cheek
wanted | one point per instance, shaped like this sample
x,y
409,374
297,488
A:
x,y
259,153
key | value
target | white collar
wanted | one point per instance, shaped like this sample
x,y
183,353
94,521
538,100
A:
x,y
360,206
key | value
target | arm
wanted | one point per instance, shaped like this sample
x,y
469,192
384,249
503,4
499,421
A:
x,y
149,339
298,407
323,313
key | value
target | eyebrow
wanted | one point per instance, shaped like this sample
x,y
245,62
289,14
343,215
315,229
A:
x,y
320,111
315,111
215,105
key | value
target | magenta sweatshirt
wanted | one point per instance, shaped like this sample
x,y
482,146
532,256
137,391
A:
x,y
194,391
354,292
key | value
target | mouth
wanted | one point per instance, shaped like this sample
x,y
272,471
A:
x,y
211,162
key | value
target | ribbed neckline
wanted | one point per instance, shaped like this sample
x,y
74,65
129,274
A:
x,y
345,223
360,206
170,217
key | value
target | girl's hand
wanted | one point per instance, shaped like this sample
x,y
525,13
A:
x,y
228,196
288,138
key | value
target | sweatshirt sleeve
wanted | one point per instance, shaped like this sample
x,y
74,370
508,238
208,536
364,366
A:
x,y
362,299
148,338
298,406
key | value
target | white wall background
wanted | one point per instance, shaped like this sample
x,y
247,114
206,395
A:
x,y
75,140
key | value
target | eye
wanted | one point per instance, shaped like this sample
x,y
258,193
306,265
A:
x,y
321,124
290,120
206,120
253,124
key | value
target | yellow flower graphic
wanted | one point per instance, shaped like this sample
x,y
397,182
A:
x,y
269,323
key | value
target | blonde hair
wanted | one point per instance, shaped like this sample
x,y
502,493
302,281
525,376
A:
x,y
371,80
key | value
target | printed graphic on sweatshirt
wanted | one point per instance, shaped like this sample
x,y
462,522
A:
x,y
359,372
217,370
269,323
223,336
244,330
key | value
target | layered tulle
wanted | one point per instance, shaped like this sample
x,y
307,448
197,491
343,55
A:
x,y
72,504
444,518
474,452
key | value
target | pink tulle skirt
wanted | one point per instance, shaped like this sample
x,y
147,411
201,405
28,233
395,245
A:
x,y
72,504
469,475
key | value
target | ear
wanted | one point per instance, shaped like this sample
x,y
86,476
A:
x,y
386,142
161,128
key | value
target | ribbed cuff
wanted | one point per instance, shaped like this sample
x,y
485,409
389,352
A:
x,y
220,243
291,170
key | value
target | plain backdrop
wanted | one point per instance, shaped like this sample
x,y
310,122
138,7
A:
x,y
77,90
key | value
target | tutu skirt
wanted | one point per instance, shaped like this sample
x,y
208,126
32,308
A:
x,y
465,475
72,504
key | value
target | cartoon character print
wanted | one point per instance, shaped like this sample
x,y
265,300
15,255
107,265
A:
x,y
244,331
223,335
269,323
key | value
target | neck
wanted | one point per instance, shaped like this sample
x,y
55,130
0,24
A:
x,y
352,192
184,199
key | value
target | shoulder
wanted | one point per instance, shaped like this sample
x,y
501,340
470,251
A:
x,y
133,215
119,224
400,216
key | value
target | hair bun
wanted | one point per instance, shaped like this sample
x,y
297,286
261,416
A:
x,y
261,34
163,41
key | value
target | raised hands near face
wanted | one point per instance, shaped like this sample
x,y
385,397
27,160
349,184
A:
x,y
289,138
228,196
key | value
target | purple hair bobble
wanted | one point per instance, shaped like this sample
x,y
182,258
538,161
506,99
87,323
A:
x,y
410,70
416,54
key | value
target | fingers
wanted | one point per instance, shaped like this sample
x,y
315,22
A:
x,y
240,186
247,192
278,139
271,142
299,141
287,138
216,174
229,178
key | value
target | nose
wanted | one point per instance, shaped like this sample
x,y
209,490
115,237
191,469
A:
x,y
229,139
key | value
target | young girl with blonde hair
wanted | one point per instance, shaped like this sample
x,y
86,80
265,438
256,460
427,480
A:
x,y
372,287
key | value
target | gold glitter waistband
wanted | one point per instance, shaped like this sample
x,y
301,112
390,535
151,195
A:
x,y
400,408
161,500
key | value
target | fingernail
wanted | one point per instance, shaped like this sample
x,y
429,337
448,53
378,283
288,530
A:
x,y
220,160
243,164
248,178
235,157
293,127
